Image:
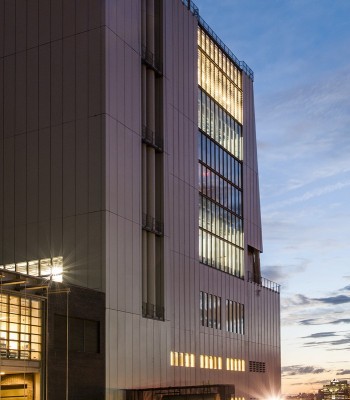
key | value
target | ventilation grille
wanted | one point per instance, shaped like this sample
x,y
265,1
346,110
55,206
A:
x,y
257,366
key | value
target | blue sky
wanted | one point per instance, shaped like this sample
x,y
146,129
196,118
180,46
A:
x,y
299,51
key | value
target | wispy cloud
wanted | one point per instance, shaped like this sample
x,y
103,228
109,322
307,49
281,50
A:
x,y
341,321
340,299
312,383
304,310
296,300
343,372
317,192
319,321
320,335
292,370
328,343
295,129
275,273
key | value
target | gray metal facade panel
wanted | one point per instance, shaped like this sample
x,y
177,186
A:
x,y
2,28
251,197
9,95
21,91
21,26
68,73
69,16
82,75
96,84
32,24
44,21
41,92
9,27
82,165
32,89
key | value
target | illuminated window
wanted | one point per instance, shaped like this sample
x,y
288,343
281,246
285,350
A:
x,y
178,359
47,267
210,362
181,359
219,76
221,241
20,328
219,125
220,154
235,364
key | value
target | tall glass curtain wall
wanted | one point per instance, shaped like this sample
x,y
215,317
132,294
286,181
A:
x,y
220,153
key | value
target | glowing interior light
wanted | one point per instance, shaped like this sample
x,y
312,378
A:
x,y
219,363
46,267
192,360
187,360
178,359
57,271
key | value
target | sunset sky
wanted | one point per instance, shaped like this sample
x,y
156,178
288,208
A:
x,y
299,51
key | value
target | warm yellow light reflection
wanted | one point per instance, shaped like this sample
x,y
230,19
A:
x,y
178,359
219,76
235,364
210,362
21,332
46,267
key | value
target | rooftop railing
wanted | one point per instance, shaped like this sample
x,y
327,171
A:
x,y
264,282
191,6
241,64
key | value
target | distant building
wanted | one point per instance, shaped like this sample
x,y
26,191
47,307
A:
x,y
301,396
336,390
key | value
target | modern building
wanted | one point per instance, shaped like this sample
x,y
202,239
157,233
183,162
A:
x,y
130,228
335,390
